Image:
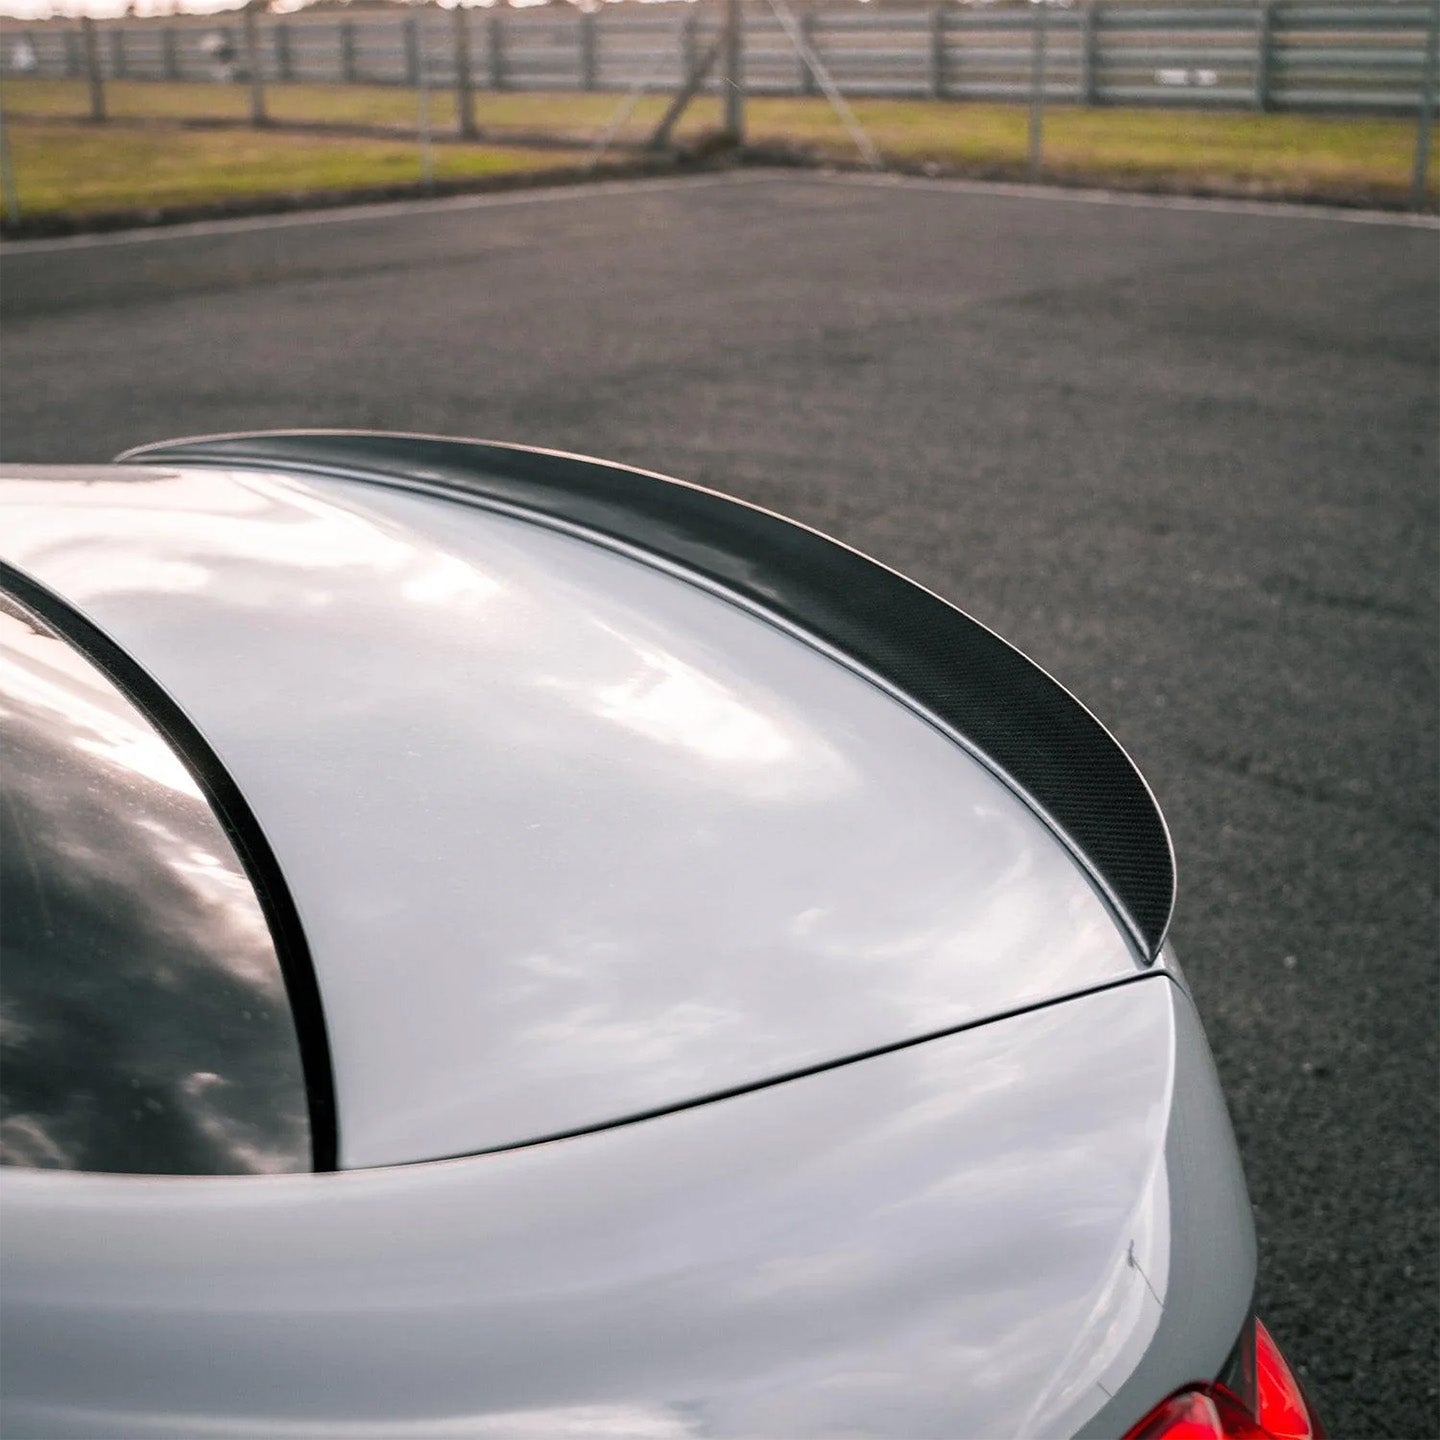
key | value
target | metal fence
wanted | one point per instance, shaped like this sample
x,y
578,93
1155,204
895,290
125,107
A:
x,y
1279,54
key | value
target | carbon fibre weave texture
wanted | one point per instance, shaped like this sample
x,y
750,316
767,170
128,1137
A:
x,y
1027,725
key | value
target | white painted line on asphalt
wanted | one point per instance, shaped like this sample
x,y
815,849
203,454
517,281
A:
x,y
383,210
1135,200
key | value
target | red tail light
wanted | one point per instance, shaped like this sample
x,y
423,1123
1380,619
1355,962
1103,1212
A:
x,y
1281,1406
1258,1398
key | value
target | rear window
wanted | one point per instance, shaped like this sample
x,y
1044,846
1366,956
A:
x,y
144,1020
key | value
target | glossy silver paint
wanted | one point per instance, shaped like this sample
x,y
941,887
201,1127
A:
x,y
144,1024
571,838
1001,707
1032,1228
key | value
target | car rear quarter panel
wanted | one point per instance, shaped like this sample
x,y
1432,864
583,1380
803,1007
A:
x,y
1035,1227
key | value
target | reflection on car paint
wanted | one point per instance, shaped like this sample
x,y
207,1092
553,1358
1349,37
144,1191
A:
x,y
578,772
130,923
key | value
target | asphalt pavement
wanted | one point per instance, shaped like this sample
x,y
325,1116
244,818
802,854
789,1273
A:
x,y
1185,457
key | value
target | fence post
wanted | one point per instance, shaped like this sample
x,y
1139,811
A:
x,y
807,33
1264,54
589,70
464,89
420,79
117,53
1040,36
169,55
937,51
284,64
1089,52
1426,116
347,52
496,29
91,43
251,34
688,42
733,77
955,59
412,51
9,199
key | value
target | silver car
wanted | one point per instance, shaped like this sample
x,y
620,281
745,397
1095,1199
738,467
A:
x,y
499,944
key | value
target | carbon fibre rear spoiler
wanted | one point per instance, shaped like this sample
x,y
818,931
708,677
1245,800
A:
x,y
994,701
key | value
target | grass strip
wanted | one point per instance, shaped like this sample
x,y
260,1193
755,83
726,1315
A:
x,y
1356,159
65,168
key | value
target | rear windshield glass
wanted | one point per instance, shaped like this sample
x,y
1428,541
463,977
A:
x,y
144,1024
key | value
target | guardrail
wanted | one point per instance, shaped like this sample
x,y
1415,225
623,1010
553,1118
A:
x,y
1275,55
